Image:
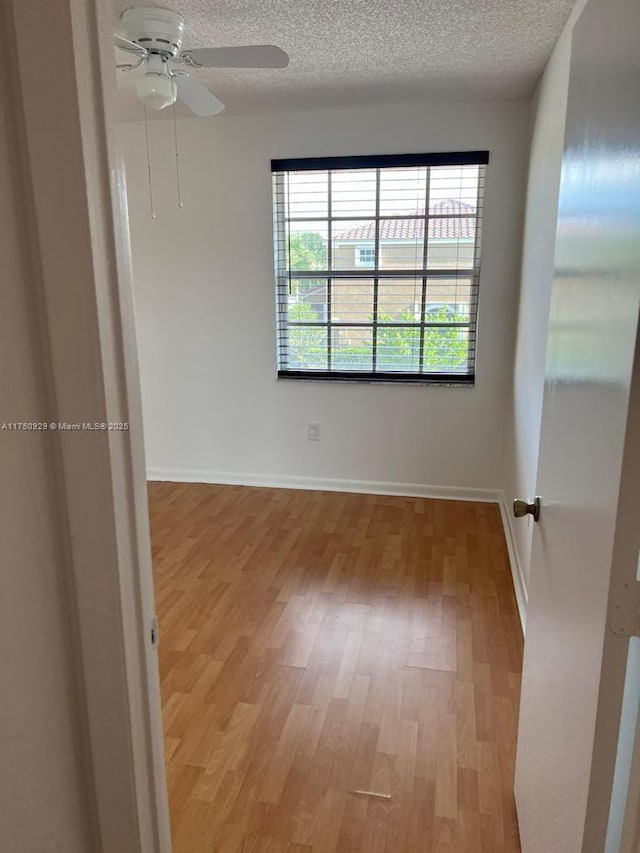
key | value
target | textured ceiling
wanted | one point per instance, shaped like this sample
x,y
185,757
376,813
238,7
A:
x,y
367,51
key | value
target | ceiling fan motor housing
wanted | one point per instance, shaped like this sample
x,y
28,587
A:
x,y
158,30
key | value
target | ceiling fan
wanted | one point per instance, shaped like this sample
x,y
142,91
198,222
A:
x,y
154,37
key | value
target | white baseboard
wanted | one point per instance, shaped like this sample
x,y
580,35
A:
x,y
325,484
517,574
367,487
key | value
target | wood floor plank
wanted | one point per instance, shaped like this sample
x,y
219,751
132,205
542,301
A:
x,y
446,769
284,754
339,672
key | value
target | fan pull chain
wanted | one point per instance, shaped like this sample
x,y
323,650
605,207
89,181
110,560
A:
x,y
146,136
175,143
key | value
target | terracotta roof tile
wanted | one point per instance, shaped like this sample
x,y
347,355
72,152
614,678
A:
x,y
458,227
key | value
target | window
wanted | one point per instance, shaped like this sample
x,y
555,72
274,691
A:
x,y
377,263
366,256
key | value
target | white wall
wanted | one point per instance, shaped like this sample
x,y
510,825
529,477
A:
x,y
549,113
43,788
205,306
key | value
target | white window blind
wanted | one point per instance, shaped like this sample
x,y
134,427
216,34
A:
x,y
377,263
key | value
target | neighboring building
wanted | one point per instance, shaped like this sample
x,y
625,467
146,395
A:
x,y
450,245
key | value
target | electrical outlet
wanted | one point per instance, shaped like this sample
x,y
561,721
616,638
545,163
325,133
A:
x,y
313,432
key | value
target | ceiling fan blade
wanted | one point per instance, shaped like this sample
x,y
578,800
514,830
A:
x,y
126,44
197,97
250,56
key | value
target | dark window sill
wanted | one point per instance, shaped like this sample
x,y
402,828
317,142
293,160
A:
x,y
446,379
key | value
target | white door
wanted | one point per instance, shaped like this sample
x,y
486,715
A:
x,y
586,542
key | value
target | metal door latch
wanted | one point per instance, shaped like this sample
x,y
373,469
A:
x,y
522,508
624,606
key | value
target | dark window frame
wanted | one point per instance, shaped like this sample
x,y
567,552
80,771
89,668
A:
x,y
284,276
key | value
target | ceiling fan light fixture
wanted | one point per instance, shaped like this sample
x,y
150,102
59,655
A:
x,y
154,85
156,90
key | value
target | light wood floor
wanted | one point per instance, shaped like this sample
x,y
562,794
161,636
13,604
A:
x,y
339,672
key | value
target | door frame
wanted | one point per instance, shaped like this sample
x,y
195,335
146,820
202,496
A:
x,y
75,219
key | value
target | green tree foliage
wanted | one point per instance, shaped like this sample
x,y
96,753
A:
x,y
306,251
397,349
307,344
444,348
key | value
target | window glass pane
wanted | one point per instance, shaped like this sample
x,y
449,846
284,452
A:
x,y
399,300
446,350
351,348
306,246
308,300
353,192
350,237
452,294
403,191
401,243
451,241
308,194
398,348
307,348
454,183
351,300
